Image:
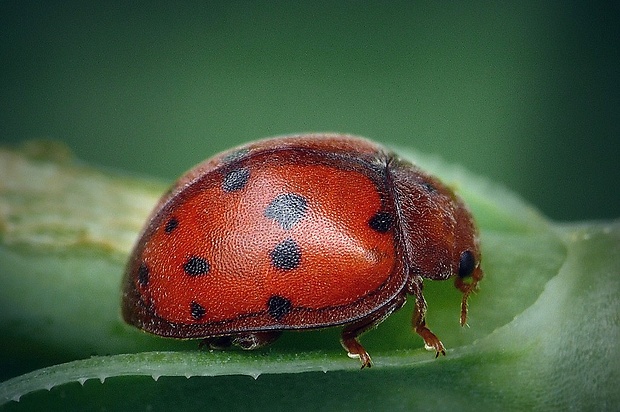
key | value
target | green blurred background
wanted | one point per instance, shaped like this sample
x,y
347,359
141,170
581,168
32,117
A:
x,y
526,93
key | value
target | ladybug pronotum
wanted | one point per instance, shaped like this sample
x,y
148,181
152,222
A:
x,y
298,232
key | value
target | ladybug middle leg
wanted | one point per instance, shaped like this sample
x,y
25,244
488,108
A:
x,y
351,332
431,341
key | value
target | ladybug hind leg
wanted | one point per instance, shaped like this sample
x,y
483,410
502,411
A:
x,y
351,332
246,341
216,343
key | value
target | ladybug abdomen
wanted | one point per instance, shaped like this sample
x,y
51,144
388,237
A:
x,y
269,243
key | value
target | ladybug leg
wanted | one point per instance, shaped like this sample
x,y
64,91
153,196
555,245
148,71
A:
x,y
247,341
351,332
217,342
419,318
251,341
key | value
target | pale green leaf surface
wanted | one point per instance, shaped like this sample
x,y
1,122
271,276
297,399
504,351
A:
x,y
543,329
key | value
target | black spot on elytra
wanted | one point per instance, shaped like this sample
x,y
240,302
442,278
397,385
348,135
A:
x,y
278,307
286,255
196,266
197,310
467,264
381,222
235,179
171,224
236,155
143,274
287,209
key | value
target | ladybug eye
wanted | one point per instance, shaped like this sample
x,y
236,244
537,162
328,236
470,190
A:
x,y
466,264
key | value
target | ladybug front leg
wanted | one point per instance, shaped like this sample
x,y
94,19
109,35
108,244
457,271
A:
x,y
419,317
351,332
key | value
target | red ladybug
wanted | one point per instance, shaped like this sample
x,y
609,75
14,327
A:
x,y
298,232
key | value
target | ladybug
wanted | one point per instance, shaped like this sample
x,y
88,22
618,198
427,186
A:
x,y
298,232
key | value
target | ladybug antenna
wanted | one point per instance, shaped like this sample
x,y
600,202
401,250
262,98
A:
x,y
467,289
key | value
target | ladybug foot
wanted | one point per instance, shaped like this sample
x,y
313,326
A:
x,y
431,342
355,349
363,357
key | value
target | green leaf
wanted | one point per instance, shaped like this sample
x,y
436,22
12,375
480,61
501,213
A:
x,y
543,329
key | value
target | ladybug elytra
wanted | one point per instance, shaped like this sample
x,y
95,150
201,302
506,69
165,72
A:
x,y
298,232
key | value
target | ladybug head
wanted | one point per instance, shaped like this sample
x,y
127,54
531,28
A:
x,y
438,231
